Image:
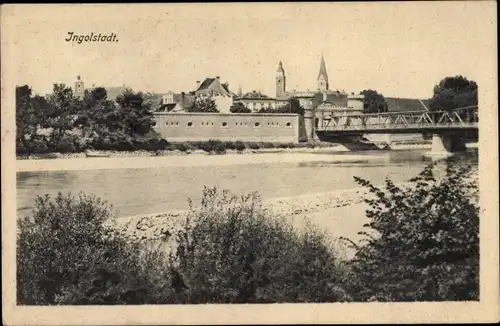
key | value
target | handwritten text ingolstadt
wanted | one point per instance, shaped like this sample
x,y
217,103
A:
x,y
92,37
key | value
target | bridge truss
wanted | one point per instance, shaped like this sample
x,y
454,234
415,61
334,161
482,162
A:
x,y
465,118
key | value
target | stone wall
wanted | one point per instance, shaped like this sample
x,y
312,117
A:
x,y
179,127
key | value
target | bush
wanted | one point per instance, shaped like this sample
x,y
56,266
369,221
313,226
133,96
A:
x,y
65,144
234,253
183,147
230,145
239,146
37,145
254,145
67,255
219,147
422,242
266,145
211,145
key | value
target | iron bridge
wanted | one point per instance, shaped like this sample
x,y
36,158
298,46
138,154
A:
x,y
457,120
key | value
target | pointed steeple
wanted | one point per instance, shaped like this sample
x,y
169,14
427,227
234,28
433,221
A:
x,y
239,90
322,68
323,76
280,67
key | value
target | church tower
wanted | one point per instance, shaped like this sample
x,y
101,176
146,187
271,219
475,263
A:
x,y
323,76
79,89
280,81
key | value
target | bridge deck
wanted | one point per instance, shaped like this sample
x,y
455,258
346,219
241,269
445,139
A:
x,y
458,120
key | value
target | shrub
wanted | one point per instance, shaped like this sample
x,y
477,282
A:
x,y
234,253
65,144
266,145
38,144
230,145
212,145
239,146
219,147
183,147
254,145
422,242
67,255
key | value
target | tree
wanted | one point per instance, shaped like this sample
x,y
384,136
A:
x,y
63,108
373,102
68,253
238,107
204,104
294,106
454,92
422,240
25,114
136,113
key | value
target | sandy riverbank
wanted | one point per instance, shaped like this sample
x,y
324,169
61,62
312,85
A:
x,y
339,213
185,161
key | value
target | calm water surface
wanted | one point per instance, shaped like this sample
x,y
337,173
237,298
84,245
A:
x,y
137,191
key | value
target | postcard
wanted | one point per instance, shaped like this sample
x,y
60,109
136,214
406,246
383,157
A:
x,y
249,163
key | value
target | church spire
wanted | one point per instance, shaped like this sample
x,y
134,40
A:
x,y
322,68
280,81
322,76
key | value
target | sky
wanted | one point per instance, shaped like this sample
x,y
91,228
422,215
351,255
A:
x,y
398,49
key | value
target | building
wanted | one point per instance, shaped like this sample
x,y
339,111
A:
x,y
210,88
79,90
323,98
112,92
256,101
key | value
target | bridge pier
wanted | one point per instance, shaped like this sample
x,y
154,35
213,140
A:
x,y
444,145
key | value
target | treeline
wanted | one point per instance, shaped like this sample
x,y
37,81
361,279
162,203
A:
x,y
421,244
61,122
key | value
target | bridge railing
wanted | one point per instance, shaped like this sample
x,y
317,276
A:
x,y
460,117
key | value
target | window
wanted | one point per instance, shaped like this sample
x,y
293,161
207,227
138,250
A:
x,y
257,125
166,123
177,123
288,124
190,124
203,123
224,125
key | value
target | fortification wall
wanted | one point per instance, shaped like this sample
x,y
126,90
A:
x,y
178,127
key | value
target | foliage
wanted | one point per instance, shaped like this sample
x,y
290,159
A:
x,y
238,107
69,253
422,241
66,254
231,252
137,115
373,102
239,146
60,122
454,92
203,104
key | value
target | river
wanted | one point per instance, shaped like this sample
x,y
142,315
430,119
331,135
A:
x,y
150,190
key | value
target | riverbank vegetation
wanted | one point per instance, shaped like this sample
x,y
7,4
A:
x,y
210,147
63,123
421,244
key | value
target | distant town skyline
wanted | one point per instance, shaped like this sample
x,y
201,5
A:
x,y
398,49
